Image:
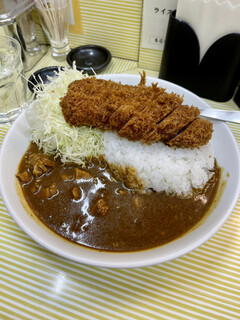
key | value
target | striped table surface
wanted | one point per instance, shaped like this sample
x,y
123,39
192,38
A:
x,y
37,284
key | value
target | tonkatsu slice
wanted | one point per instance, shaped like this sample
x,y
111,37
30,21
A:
x,y
146,113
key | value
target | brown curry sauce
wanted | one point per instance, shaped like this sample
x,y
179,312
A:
x,y
88,206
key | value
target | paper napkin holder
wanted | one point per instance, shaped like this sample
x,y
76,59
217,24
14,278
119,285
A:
x,y
215,77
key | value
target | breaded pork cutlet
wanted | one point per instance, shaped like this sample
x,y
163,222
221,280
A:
x,y
121,116
198,133
93,102
145,120
142,97
90,102
141,112
172,124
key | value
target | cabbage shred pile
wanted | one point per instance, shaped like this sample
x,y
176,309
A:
x,y
49,129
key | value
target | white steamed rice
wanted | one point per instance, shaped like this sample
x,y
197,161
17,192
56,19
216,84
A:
x,y
160,167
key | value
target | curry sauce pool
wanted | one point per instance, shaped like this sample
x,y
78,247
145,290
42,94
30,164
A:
x,y
88,206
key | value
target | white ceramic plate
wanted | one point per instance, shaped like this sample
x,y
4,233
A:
x,y
227,154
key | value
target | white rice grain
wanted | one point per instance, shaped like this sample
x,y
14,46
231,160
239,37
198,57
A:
x,y
175,170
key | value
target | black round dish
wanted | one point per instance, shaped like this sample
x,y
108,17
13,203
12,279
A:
x,y
42,75
89,58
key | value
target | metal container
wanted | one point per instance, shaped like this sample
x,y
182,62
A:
x,y
17,21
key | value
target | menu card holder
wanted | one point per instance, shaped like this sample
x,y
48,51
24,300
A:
x,y
215,77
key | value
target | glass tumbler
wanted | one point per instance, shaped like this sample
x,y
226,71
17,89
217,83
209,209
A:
x,y
55,16
12,81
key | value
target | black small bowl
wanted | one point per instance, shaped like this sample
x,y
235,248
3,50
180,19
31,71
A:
x,y
89,58
42,75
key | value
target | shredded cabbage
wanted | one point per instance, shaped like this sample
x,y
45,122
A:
x,y
49,129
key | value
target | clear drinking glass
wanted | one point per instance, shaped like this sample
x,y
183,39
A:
x,y
54,16
12,81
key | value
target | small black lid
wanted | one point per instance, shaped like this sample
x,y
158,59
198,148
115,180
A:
x,y
41,76
89,58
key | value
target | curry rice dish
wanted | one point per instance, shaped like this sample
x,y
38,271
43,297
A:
x,y
141,192
90,207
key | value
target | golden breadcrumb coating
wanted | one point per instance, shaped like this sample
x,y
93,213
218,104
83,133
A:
x,y
145,120
198,133
141,112
171,125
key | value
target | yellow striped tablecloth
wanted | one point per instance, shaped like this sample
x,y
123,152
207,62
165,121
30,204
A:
x,y
38,285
